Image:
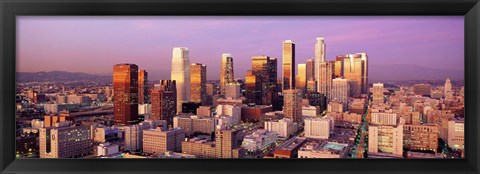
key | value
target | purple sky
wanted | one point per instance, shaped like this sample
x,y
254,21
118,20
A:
x,y
95,44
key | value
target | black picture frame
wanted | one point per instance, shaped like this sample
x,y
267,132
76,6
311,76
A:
x,y
9,9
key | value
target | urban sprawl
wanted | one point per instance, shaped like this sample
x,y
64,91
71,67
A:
x,y
327,110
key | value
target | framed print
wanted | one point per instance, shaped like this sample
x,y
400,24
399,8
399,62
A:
x,y
239,86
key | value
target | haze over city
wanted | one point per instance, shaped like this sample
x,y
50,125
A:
x,y
417,47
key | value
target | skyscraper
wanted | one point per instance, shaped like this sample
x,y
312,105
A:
x,y
448,90
301,78
378,93
338,66
292,104
340,91
226,72
288,64
253,87
163,98
143,87
181,75
325,79
265,68
355,67
319,57
125,85
198,80
310,69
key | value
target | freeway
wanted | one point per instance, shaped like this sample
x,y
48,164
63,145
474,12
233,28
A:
x,y
360,145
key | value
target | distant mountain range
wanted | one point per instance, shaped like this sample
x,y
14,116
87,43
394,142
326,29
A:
x,y
404,72
60,76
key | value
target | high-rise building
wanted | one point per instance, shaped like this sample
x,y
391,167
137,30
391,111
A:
x,y
283,127
253,87
143,94
288,64
125,85
301,78
198,80
319,57
325,79
181,75
448,90
355,67
65,142
340,91
338,67
378,93
310,70
266,69
292,104
226,72
163,99
158,141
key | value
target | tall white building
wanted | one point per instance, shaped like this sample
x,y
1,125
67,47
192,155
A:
x,y
340,91
319,128
181,75
319,56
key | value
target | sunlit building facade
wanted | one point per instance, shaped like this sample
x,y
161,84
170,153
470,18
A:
x,y
198,80
181,74
226,72
125,85
288,64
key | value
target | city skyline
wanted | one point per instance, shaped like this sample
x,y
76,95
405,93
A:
x,y
429,39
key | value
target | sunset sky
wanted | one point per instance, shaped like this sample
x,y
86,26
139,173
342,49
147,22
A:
x,y
94,44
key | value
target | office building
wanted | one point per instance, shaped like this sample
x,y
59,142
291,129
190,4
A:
x,y
340,91
318,128
194,124
292,104
226,72
301,78
385,139
378,93
225,143
383,118
283,128
157,141
163,99
310,70
355,67
420,137
198,80
456,134
325,79
201,147
143,91
232,90
253,88
288,53
125,85
181,74
319,57
65,141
